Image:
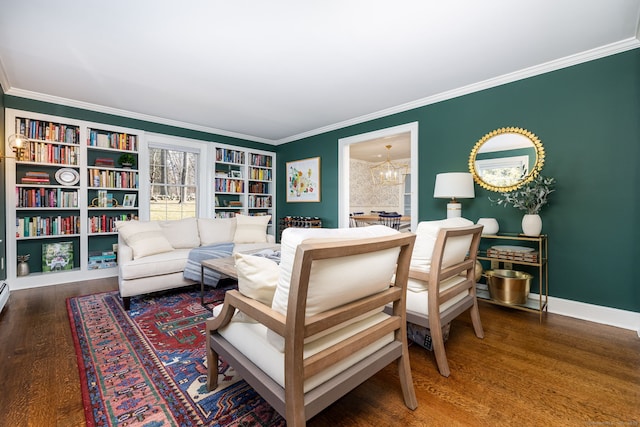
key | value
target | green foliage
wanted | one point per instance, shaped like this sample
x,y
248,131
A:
x,y
127,158
531,197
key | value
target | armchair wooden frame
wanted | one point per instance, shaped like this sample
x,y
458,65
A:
x,y
290,400
437,297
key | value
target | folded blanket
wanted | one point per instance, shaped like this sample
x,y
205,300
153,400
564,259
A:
x,y
192,270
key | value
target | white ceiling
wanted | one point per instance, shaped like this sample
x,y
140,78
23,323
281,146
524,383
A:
x,y
276,71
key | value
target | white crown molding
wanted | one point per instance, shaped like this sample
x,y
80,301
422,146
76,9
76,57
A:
x,y
129,114
594,313
590,55
4,79
603,51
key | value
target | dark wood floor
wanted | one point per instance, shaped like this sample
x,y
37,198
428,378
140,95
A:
x,y
563,372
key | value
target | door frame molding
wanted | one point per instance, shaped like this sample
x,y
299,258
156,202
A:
x,y
343,168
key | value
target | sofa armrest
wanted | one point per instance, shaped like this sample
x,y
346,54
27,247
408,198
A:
x,y
125,252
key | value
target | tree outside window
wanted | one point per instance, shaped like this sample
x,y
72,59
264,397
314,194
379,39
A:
x,y
173,175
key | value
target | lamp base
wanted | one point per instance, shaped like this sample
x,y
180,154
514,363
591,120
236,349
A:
x,y
454,210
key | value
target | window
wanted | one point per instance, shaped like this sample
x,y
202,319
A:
x,y
501,172
173,175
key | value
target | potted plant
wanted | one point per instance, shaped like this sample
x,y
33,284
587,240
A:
x,y
530,198
127,160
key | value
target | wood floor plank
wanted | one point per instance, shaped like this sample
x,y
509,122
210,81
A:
x,y
562,371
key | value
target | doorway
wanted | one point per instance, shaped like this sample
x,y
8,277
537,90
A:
x,y
378,138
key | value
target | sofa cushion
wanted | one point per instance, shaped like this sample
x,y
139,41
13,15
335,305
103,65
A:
x,y
251,229
426,235
155,265
144,237
257,277
218,230
181,233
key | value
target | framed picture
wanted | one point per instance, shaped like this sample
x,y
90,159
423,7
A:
x,y
303,180
57,256
236,174
129,200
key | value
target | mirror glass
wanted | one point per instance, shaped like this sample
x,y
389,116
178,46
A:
x,y
505,159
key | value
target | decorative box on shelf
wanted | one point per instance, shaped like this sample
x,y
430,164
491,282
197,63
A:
x,y
513,255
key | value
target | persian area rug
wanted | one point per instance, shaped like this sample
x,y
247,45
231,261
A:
x,y
148,367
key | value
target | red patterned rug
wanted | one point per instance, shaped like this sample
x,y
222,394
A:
x,y
147,367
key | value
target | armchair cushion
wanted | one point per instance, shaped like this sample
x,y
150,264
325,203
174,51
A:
x,y
251,339
418,300
251,229
336,281
257,277
144,237
426,236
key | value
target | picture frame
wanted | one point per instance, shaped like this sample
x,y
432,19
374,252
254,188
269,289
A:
x,y
235,174
57,256
129,201
303,180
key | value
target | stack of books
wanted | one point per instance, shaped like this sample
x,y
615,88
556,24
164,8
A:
x,y
99,260
35,178
105,161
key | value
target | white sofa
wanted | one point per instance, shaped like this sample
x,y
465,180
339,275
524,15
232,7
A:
x,y
152,255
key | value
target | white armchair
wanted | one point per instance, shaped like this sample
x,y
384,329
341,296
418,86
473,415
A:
x,y
325,331
442,282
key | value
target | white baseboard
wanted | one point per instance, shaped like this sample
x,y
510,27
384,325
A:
x,y
595,313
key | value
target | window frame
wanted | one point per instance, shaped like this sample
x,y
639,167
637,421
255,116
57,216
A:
x,y
203,149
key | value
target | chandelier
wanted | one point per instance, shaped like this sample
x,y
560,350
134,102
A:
x,y
388,173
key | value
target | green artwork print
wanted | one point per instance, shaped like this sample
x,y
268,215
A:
x,y
57,256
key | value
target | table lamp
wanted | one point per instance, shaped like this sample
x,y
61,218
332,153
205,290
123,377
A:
x,y
453,185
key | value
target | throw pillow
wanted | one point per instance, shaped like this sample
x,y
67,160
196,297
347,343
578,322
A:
x,y
218,230
182,233
251,229
257,277
426,235
144,237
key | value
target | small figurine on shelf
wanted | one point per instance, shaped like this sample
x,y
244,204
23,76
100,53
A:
x,y
23,266
127,160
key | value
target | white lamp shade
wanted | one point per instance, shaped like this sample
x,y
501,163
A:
x,y
454,185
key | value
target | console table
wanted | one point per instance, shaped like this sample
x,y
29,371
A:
x,y
540,267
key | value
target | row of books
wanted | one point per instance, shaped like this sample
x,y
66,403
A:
x,y
115,140
261,160
46,198
229,156
261,174
47,226
113,179
229,185
48,131
106,223
258,187
42,152
260,201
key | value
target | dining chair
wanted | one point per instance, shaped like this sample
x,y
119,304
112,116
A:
x,y
390,220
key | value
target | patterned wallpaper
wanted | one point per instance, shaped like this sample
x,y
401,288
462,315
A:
x,y
365,197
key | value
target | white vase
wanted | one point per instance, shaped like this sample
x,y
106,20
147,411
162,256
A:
x,y
491,226
531,225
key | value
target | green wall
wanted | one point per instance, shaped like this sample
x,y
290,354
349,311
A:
x,y
588,119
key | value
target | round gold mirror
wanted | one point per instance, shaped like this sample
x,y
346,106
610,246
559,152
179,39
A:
x,y
506,158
